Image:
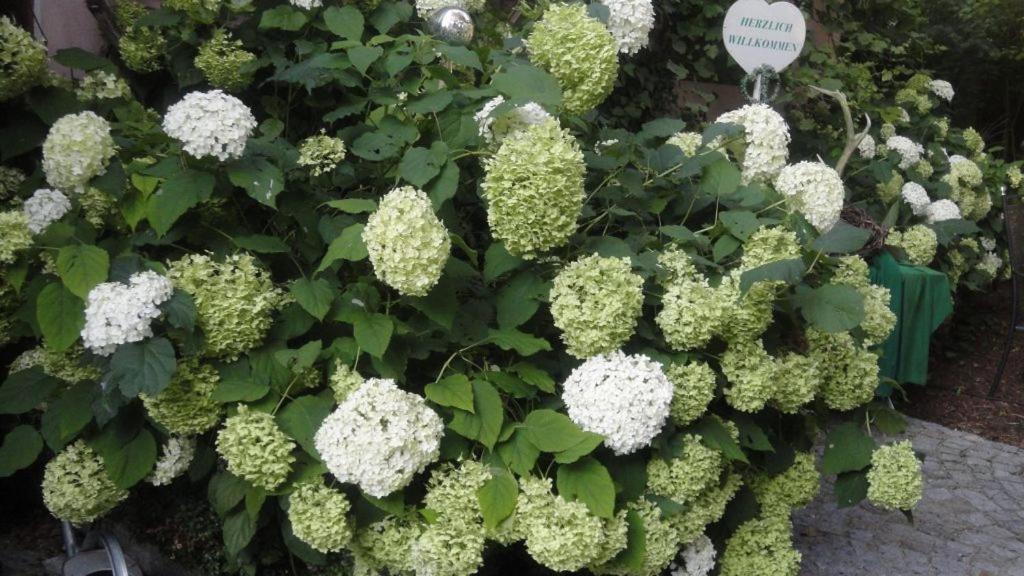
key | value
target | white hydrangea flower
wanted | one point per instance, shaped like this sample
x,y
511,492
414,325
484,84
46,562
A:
x,y
990,264
688,142
867,147
494,129
910,152
210,124
426,7
77,149
815,190
988,243
630,22
624,398
117,313
942,89
904,116
307,4
916,197
696,559
175,458
379,437
767,140
44,208
941,210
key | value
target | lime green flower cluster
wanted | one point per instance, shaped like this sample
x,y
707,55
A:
x,y
797,379
793,488
343,381
749,370
849,373
894,480
683,478
10,180
186,406
255,448
677,265
691,313
595,302
386,546
408,244
22,60
561,535
964,177
661,543
234,300
202,10
141,47
911,98
318,517
974,141
66,365
705,509
919,242
224,63
101,85
321,153
76,486
852,271
693,389
453,544
769,244
77,148
889,191
534,188
14,235
924,169
579,52
688,142
747,315
96,206
879,320
1015,177
763,546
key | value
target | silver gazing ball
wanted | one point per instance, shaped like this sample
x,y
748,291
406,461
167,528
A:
x,y
452,25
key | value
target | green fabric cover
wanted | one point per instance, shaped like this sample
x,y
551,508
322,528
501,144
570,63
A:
x,y
922,300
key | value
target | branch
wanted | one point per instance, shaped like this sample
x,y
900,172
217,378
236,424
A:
x,y
853,139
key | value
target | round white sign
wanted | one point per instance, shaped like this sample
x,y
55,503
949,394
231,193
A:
x,y
757,33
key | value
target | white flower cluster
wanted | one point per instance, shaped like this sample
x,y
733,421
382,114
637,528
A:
x,y
867,147
624,398
630,22
767,139
76,150
941,210
379,437
307,4
910,152
815,190
210,124
44,208
990,264
916,197
988,243
407,243
117,313
688,142
696,559
494,128
175,458
942,89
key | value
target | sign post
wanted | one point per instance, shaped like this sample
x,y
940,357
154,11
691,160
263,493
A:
x,y
763,39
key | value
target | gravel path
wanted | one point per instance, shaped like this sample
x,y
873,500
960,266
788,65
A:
x,y
969,523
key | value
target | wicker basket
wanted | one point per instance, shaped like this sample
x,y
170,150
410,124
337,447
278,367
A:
x,y
859,218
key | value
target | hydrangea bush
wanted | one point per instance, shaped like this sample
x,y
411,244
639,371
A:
x,y
400,304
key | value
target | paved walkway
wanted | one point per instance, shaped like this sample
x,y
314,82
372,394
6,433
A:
x,y
969,523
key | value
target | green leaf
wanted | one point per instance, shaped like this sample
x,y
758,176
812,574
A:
x,y
843,238
432,102
261,244
315,296
589,482
521,342
635,554
717,436
25,389
788,271
461,56
363,56
455,391
751,434
721,178
588,444
83,60
66,416
498,261
724,246
61,316
661,128
740,223
887,420
440,304
262,180
497,497
518,300
421,165
851,488
20,449
484,423
237,384
283,17
373,332
143,367
847,449
376,146
353,205
552,431
519,453
239,528
528,83
301,418
225,492
254,500
180,310
346,21
347,246
179,193
833,307
81,267
534,376
133,461
444,186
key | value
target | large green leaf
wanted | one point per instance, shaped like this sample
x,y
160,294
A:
x,y
455,391
847,449
61,316
363,56
262,180
528,83
373,332
833,307
851,488
225,491
589,482
26,389
721,178
740,223
262,244
484,423
843,238
67,415
239,528
345,21
179,193
421,165
301,418
521,342
81,267
519,453
283,17
789,271
315,296
133,461
519,300
498,261
143,367
347,246
497,497
20,449
552,431
588,444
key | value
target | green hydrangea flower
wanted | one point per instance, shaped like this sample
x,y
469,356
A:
x,y
919,242
186,407
677,266
386,545
447,548
894,480
561,535
14,235
616,539
321,153
127,12
202,10
595,302
408,244
255,448
579,52
683,478
660,543
10,181
849,373
224,63
910,98
452,489
234,300
66,365
974,141
769,244
688,142
919,83
764,547
693,389
853,271
343,381
101,85
797,380
77,148
318,516
22,60
142,49
749,370
76,486
708,508
534,189
96,206
793,488
691,314
889,191
879,320
924,169
747,316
